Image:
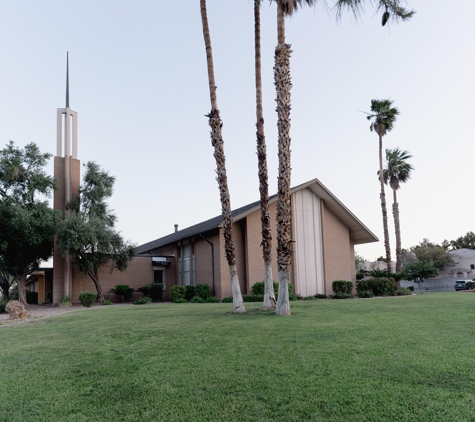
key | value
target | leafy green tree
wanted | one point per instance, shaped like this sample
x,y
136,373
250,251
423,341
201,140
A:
x,y
466,241
27,223
87,233
382,116
397,171
420,271
428,252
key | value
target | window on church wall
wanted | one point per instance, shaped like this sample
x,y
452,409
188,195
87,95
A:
x,y
186,265
179,265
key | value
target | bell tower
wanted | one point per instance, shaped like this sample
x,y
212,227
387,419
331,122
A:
x,y
67,175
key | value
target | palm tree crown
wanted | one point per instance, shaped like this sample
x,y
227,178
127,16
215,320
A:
x,y
397,169
383,115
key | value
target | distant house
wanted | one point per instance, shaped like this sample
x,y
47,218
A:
x,y
463,267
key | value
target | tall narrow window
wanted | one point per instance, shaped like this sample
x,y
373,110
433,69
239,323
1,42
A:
x,y
179,265
186,265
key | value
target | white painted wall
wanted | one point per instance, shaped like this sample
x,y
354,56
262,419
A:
x,y
308,243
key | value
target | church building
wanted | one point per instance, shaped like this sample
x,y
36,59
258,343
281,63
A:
x,y
324,232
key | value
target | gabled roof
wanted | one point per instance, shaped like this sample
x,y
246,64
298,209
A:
x,y
359,233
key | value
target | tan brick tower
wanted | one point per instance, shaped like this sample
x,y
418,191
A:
x,y
67,175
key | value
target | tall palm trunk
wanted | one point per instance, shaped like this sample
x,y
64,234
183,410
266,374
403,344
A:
x,y
217,142
397,229
383,206
269,296
284,210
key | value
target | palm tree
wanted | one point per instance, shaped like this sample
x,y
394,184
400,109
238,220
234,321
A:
x,y
217,142
269,296
282,82
397,171
383,116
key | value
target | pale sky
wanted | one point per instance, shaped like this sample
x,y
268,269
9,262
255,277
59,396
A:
x,y
138,80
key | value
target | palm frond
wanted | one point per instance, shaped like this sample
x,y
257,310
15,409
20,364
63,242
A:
x,y
397,169
291,6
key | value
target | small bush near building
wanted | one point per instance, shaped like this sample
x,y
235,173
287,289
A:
x,y
153,291
107,302
203,291
3,305
144,300
252,298
292,297
124,291
342,296
228,299
402,291
320,296
180,300
198,299
87,299
309,298
189,292
365,294
212,299
342,286
380,286
31,297
411,288
65,302
49,296
177,293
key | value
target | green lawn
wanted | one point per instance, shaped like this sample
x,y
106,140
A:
x,y
388,359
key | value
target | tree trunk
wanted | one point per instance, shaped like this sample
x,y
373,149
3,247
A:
x,y
95,278
269,296
383,207
218,144
397,229
21,289
283,304
284,210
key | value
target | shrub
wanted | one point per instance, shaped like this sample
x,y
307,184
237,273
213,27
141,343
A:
x,y
320,296
143,301
107,302
299,297
124,291
153,291
3,305
342,286
66,301
402,291
180,300
252,298
198,299
49,296
31,297
228,299
292,297
212,299
342,296
258,288
411,288
203,291
365,294
177,292
87,298
310,298
189,292
379,286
